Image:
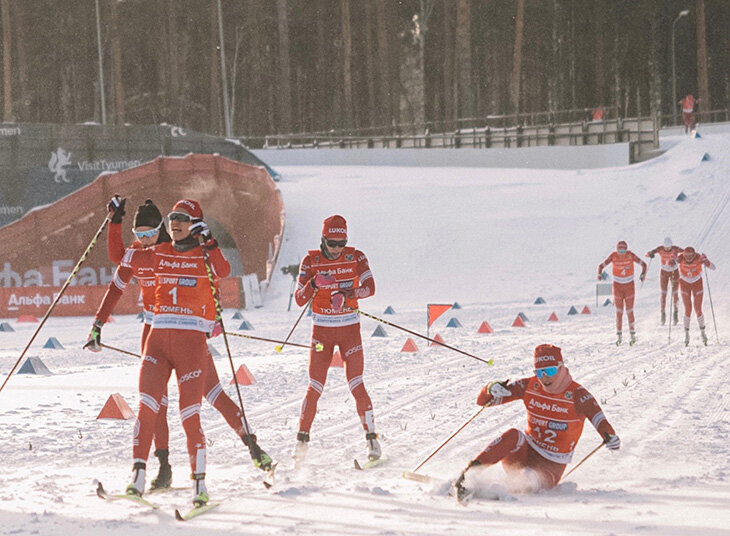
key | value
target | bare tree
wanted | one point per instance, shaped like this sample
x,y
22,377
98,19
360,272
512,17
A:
x,y
347,63
599,21
466,100
370,55
215,114
385,97
284,94
7,63
703,82
517,57
117,65
449,85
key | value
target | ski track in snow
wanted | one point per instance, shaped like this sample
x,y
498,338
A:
x,y
493,240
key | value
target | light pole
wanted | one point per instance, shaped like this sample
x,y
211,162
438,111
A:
x,y
224,78
101,66
674,61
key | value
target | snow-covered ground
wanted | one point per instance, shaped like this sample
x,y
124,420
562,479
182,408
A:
x,y
491,240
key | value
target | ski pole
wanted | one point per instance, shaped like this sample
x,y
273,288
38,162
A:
x,y
291,294
318,347
591,453
711,306
671,305
280,347
119,350
474,416
219,318
70,278
489,362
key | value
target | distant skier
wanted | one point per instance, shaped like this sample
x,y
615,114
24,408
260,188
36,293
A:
x,y
623,285
557,407
334,277
688,112
690,286
668,254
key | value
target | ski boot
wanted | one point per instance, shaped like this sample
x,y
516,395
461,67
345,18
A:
x,y
458,489
618,338
260,459
200,492
704,336
374,451
686,336
664,318
163,479
675,317
136,487
632,340
300,449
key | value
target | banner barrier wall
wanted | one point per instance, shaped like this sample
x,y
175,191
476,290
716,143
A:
x,y
84,300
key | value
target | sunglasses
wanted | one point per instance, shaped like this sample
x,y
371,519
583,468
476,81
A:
x,y
147,234
336,243
621,251
547,371
178,216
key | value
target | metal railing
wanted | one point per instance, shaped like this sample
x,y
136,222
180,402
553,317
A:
x,y
641,132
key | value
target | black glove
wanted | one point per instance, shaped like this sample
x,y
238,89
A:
x,y
93,343
200,230
116,207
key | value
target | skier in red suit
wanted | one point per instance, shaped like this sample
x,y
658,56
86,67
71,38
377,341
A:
x,y
688,112
623,285
690,287
149,230
557,407
668,254
184,316
334,277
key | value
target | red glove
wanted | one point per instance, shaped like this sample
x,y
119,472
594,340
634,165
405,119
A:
x,y
217,330
338,301
322,280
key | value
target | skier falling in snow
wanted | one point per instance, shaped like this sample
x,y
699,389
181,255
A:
x,y
668,254
557,407
690,287
334,277
623,285
184,316
149,230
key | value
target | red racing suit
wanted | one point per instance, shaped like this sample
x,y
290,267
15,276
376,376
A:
x,y
554,426
623,283
690,286
213,390
336,328
184,313
668,272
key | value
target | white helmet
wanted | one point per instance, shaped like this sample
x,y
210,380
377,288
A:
x,y
667,242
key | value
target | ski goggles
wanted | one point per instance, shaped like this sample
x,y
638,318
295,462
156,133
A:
x,y
548,372
147,234
621,251
335,243
179,216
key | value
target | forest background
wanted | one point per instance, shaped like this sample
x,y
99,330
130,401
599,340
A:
x,y
348,65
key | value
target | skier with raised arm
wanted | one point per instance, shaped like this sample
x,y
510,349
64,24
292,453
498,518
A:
x,y
668,271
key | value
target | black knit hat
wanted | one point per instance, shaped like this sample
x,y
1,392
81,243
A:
x,y
147,215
